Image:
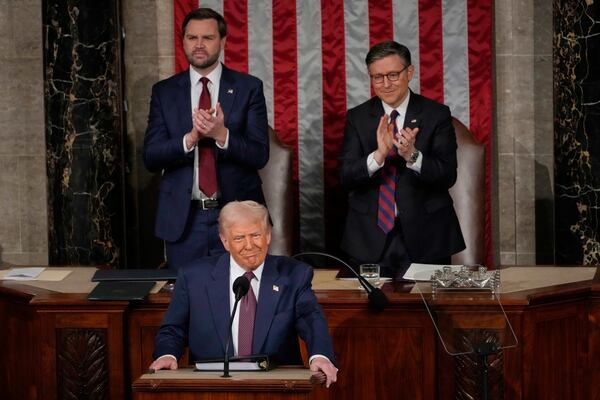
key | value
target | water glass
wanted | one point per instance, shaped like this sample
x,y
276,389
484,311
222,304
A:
x,y
370,272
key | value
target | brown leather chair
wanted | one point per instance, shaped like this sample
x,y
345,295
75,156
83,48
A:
x,y
277,186
468,194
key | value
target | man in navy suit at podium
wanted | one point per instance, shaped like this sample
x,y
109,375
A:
x,y
207,134
280,304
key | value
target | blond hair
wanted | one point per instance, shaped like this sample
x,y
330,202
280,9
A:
x,y
243,211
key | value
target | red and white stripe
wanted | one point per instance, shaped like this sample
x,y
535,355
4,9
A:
x,y
310,56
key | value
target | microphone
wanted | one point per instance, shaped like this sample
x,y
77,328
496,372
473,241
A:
x,y
240,287
377,299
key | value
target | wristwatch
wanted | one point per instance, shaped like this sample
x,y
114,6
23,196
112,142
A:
x,y
413,157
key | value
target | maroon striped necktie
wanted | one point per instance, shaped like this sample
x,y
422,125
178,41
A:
x,y
246,322
207,173
387,189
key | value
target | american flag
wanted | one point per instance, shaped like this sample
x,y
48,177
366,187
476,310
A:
x,y
310,56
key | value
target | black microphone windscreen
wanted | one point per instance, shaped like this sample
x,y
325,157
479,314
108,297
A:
x,y
377,300
240,287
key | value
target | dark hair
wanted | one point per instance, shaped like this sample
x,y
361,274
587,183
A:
x,y
389,48
205,13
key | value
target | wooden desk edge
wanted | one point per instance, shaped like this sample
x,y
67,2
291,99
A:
x,y
147,383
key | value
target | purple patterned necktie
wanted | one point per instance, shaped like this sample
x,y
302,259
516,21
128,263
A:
x,y
246,322
387,190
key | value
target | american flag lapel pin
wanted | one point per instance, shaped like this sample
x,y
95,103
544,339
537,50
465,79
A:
x,y
229,91
414,121
275,288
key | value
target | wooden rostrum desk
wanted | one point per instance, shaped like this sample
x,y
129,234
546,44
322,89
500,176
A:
x,y
62,346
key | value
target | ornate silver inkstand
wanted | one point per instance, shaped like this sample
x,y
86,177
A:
x,y
465,279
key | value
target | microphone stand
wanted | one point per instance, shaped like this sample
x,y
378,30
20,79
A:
x,y
226,361
240,286
377,299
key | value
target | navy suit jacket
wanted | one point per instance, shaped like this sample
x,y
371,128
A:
x,y
426,213
170,118
199,312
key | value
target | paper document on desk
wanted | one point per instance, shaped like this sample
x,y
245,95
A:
x,y
258,362
23,274
423,272
233,366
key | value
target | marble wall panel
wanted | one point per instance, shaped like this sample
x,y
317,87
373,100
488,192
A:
x,y
83,130
577,139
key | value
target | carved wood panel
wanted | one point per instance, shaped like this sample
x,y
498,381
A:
x,y
82,364
468,368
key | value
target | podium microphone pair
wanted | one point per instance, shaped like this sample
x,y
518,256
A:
x,y
377,299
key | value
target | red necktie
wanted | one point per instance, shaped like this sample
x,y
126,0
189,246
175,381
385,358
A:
x,y
207,173
246,322
387,189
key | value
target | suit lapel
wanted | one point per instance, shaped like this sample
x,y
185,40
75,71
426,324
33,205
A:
x,y
413,111
227,92
218,297
184,102
267,303
376,111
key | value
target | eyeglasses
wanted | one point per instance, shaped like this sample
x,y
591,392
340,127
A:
x,y
392,76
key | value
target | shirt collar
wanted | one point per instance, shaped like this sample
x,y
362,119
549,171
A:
x,y
401,108
214,75
237,271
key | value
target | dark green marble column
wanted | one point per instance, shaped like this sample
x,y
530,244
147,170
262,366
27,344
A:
x,y
84,132
577,131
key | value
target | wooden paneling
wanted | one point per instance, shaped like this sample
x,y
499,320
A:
x,y
553,358
389,355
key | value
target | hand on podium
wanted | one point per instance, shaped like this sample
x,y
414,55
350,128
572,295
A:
x,y
163,362
324,365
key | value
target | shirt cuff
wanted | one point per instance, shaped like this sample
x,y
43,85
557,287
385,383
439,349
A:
x,y
416,166
226,144
310,360
185,149
372,165
167,355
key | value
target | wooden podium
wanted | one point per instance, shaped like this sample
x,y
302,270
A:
x,y
59,345
281,383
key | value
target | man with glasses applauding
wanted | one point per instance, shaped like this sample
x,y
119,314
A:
x,y
398,160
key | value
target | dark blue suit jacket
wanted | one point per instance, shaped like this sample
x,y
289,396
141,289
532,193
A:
x,y
426,215
170,118
199,312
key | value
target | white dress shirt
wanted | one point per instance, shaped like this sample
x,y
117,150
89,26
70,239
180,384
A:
x,y
214,78
372,165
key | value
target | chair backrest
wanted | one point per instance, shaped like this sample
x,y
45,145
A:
x,y
277,186
468,194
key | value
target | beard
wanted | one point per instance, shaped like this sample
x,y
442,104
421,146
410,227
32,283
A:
x,y
210,61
